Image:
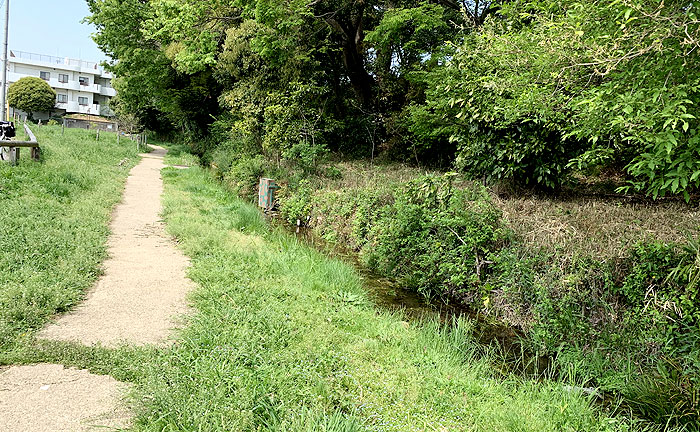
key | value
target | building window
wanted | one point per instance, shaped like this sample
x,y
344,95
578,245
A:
x,y
82,101
45,76
63,78
61,98
84,81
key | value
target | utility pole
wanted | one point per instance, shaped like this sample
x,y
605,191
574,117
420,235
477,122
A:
x,y
3,92
6,153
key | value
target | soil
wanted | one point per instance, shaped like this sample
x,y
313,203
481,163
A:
x,y
142,294
50,398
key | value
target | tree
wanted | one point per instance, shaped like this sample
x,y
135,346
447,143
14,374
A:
x,y
31,94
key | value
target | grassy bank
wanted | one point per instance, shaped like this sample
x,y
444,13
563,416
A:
x,y
605,285
54,216
285,339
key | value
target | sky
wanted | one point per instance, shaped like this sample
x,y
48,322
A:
x,y
51,27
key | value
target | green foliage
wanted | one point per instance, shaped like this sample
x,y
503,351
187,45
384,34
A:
x,y
670,396
31,94
293,131
432,236
437,238
244,175
333,172
687,273
151,84
296,208
666,273
527,95
605,323
651,264
550,86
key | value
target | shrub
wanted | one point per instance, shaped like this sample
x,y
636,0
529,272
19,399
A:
x,y
437,239
244,174
31,94
296,206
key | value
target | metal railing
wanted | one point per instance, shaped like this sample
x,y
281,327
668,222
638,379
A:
x,y
54,60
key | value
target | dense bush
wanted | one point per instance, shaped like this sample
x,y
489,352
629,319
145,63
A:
x,y
433,237
436,239
547,87
243,175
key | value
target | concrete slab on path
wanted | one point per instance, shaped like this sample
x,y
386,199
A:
x,y
51,398
143,290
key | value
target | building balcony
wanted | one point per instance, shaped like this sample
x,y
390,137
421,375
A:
x,y
75,85
68,106
55,62
69,85
108,91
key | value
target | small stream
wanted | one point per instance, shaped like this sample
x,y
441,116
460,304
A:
x,y
387,294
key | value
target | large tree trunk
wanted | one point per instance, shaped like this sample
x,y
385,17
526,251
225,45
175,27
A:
x,y
351,32
361,81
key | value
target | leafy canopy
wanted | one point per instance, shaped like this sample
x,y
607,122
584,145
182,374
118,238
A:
x,y
31,94
524,91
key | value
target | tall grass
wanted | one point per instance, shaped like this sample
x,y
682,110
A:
x,y
54,218
286,339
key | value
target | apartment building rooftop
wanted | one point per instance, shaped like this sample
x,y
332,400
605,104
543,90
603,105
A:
x,y
58,62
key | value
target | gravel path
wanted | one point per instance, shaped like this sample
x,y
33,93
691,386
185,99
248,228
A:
x,y
143,290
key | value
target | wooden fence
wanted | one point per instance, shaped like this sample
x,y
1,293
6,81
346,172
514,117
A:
x,y
12,152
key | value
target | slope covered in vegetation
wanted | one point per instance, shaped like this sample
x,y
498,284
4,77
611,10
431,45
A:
x,y
606,287
286,339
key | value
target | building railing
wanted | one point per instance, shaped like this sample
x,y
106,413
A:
x,y
55,60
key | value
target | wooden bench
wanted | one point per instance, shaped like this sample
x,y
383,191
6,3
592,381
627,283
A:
x,y
16,145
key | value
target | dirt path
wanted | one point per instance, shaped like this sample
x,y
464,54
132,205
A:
x,y
142,292
50,398
136,301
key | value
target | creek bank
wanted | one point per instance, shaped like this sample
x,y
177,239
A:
x,y
286,338
388,294
572,276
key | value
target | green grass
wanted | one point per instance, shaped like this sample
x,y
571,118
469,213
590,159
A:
x,y
53,221
178,154
282,338
285,339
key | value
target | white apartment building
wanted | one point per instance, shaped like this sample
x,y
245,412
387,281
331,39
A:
x,y
81,87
